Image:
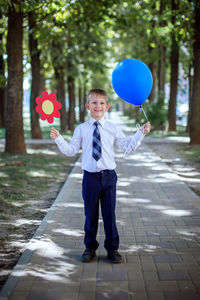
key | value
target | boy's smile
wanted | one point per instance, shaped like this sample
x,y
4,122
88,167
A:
x,y
97,105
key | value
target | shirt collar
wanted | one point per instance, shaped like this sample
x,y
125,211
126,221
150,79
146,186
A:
x,y
101,121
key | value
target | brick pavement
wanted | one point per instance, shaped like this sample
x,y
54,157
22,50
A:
x,y
158,219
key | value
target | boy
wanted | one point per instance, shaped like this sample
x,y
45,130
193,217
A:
x,y
97,137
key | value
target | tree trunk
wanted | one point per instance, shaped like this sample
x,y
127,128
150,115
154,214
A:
x,y
84,113
195,105
60,82
161,76
80,101
71,93
152,67
173,85
191,79
161,63
14,119
174,59
60,90
35,84
42,83
2,86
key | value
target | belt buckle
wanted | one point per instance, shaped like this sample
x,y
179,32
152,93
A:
x,y
105,171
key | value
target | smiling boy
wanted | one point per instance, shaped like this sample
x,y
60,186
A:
x,y
97,138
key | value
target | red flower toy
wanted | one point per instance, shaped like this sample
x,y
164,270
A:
x,y
48,107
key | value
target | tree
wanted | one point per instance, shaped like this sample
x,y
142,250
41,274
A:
x,y
162,55
71,93
190,79
153,69
3,80
36,76
14,119
58,60
2,85
174,59
195,103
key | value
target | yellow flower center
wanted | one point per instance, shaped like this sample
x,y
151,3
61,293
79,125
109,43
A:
x,y
47,107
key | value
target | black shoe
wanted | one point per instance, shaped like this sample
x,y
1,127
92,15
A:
x,y
88,256
114,257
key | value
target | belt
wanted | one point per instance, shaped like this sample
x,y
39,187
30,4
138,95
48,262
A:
x,y
100,172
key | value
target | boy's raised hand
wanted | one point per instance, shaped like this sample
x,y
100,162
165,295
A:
x,y
54,133
146,128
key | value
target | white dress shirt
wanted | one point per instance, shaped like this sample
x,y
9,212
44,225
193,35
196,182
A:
x,y
110,135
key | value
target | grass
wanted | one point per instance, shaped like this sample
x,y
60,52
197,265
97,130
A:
x,y
28,176
192,153
180,130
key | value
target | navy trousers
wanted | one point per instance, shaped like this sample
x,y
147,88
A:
x,y
100,187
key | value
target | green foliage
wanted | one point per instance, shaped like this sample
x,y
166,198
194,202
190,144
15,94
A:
x,y
180,132
87,38
2,81
157,115
129,112
3,23
73,36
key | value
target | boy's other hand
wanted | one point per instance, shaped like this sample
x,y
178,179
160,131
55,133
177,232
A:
x,y
54,133
146,128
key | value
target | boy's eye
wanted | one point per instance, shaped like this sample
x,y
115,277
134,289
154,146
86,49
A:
x,y
101,103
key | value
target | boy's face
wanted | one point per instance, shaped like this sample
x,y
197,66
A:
x,y
97,105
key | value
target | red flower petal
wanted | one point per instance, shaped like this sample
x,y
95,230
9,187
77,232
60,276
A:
x,y
50,119
38,109
57,114
43,116
56,104
38,99
52,97
45,95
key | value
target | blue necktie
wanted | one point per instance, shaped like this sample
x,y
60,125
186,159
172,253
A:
x,y
96,151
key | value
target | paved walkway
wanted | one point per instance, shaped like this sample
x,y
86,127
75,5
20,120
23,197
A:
x,y
158,219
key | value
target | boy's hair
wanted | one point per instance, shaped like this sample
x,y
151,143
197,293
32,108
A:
x,y
99,92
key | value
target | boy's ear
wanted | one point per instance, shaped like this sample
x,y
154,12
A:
x,y
87,105
107,106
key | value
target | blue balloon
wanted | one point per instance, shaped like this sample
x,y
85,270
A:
x,y
132,81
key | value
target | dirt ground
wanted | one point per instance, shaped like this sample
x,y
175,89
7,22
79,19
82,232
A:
x,y
170,153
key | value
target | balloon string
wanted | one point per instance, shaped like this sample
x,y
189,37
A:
x,y
141,108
